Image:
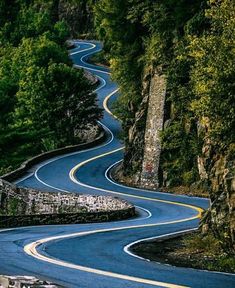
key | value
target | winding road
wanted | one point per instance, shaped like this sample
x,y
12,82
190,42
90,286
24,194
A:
x,y
98,255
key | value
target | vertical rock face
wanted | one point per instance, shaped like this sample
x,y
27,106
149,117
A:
x,y
131,170
219,174
154,125
141,161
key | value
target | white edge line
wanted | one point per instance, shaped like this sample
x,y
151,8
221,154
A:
x,y
92,69
144,209
127,248
83,50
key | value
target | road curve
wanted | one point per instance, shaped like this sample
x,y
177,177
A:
x,y
98,255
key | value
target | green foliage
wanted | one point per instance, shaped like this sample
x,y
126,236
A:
x,y
213,75
206,243
142,35
13,206
200,91
61,32
38,111
28,19
123,43
45,101
206,253
100,58
193,44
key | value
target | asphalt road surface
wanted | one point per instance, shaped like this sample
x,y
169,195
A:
x,y
98,255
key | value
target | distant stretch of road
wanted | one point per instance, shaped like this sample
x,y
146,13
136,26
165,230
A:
x,y
98,255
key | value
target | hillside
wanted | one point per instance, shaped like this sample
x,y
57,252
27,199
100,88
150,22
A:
x,y
174,62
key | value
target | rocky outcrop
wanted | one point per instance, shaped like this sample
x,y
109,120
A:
x,y
217,171
24,281
131,170
154,126
220,218
141,161
88,133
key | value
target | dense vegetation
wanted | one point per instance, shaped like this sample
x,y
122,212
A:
x,y
192,42
79,16
42,98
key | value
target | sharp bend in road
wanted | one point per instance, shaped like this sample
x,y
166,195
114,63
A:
x,y
98,255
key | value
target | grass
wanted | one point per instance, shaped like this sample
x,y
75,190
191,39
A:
x,y
194,251
208,253
12,159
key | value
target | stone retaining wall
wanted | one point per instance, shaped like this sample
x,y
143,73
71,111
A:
x,y
68,218
24,281
22,207
25,206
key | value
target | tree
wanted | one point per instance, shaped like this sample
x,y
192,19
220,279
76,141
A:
x,y
141,36
38,110
59,106
8,87
213,75
30,19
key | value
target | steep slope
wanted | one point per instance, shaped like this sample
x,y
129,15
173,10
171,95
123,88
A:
x,y
177,104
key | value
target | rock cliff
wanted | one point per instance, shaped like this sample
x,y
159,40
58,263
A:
x,y
218,173
143,150
216,168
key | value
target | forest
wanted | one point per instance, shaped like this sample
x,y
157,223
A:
x,y
192,44
38,111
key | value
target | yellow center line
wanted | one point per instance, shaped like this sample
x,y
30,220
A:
x,y
31,249
77,167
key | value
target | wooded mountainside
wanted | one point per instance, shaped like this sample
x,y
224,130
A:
x,y
192,45
38,111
